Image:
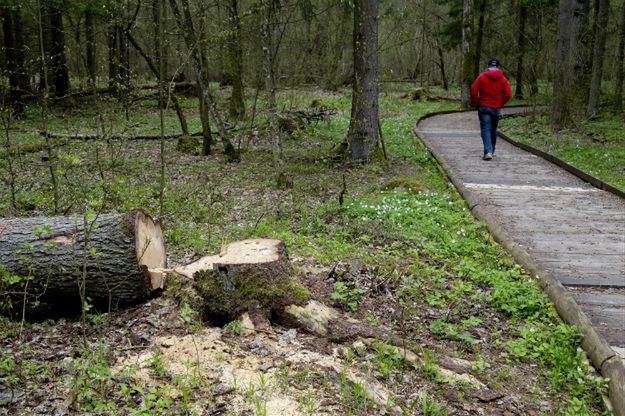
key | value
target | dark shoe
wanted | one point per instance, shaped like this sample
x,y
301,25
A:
x,y
488,156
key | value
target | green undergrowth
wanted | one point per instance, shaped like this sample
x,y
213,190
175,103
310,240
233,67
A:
x,y
595,146
399,219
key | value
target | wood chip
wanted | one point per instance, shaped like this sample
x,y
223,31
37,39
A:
x,y
487,395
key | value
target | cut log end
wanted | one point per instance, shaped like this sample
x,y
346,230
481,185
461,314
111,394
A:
x,y
257,251
150,249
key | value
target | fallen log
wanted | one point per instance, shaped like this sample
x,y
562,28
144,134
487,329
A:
x,y
111,255
52,135
114,136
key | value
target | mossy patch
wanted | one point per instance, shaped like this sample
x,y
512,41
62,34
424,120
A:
x,y
183,292
250,287
188,145
290,122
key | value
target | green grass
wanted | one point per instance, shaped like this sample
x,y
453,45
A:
x,y
596,146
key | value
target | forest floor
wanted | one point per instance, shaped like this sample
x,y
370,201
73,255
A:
x,y
401,252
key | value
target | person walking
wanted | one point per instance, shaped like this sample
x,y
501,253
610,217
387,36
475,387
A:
x,y
489,92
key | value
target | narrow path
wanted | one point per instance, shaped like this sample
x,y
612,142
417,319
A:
x,y
571,229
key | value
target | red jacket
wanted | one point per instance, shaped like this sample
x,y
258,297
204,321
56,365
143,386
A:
x,y
490,89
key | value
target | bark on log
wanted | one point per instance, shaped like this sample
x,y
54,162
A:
x,y
246,275
111,256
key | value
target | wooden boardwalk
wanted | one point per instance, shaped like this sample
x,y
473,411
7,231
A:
x,y
570,228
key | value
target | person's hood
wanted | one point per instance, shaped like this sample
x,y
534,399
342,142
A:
x,y
494,74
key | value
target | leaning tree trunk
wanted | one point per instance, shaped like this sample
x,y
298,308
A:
x,y
156,71
194,43
599,52
363,124
112,257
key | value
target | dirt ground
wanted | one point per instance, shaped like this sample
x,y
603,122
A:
x,y
276,371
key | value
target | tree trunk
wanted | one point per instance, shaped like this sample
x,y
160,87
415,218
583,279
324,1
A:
x,y
246,275
521,52
158,47
441,64
582,54
157,73
362,136
113,52
91,47
618,93
334,76
124,62
203,83
110,256
479,36
163,39
270,83
194,44
467,53
599,52
13,50
566,63
60,75
535,58
237,102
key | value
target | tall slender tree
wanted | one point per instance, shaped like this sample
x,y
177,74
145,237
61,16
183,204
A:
x,y
333,76
58,61
521,41
235,49
479,36
618,92
90,45
362,136
599,52
14,56
195,40
468,51
269,55
567,62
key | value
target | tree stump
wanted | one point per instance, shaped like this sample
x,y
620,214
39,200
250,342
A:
x,y
246,275
112,257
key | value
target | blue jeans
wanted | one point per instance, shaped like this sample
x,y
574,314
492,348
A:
x,y
489,119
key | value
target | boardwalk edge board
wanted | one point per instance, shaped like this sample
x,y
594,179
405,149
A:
x,y
598,183
602,356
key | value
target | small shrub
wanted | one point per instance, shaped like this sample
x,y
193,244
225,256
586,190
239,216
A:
x,y
347,294
188,145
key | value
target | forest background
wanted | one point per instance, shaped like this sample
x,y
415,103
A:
x,y
236,119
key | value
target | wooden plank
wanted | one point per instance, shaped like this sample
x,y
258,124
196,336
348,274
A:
x,y
570,227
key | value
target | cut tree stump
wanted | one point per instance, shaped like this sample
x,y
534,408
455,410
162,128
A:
x,y
114,258
247,275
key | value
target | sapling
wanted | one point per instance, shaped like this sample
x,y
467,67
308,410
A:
x,y
44,113
6,124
